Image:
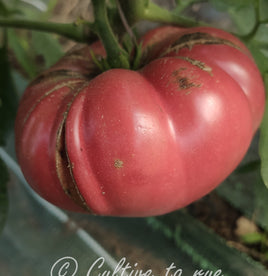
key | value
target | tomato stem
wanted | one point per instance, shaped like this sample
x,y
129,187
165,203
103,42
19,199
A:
x,y
117,57
147,10
78,31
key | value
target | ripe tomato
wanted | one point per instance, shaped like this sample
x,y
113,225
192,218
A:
x,y
145,142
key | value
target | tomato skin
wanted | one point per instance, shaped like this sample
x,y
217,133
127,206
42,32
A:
x,y
122,142
146,142
206,119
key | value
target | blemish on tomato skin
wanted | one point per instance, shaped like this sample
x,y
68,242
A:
x,y
118,163
184,82
201,65
190,40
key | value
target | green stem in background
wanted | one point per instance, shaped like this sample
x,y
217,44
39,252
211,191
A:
x,y
147,10
117,57
79,31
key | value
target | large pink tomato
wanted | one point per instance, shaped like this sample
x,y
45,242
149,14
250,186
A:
x,y
146,142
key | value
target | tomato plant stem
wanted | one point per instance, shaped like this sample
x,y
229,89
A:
x,y
158,14
147,10
78,31
117,57
81,30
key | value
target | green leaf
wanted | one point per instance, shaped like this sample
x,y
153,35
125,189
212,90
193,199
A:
x,y
259,55
3,194
35,10
8,97
242,13
208,251
244,18
263,145
261,35
30,9
263,10
3,9
260,201
8,11
20,47
258,45
246,190
226,4
138,57
47,46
